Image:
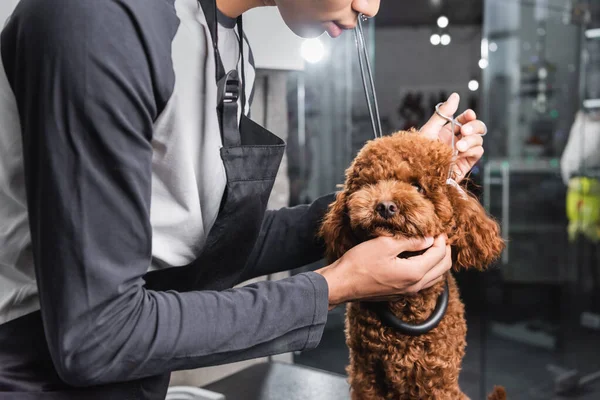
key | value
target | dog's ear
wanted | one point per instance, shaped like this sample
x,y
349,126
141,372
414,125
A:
x,y
335,229
476,237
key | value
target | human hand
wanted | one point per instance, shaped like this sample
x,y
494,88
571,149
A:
x,y
469,144
372,270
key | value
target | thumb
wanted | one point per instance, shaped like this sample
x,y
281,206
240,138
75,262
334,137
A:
x,y
432,128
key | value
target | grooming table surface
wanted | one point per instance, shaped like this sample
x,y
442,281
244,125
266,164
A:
x,y
277,381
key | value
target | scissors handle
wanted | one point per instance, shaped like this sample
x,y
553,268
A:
x,y
453,124
451,119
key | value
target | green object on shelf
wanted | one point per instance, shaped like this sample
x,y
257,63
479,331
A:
x,y
583,208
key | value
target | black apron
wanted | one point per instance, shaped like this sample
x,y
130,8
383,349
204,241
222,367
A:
x,y
251,156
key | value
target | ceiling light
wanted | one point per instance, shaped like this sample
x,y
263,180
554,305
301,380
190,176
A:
x,y
312,50
484,48
473,85
442,22
445,39
435,39
592,33
483,63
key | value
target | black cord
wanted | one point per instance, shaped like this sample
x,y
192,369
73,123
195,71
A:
x,y
265,101
241,38
389,319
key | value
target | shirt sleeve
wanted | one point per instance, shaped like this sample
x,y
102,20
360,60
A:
x,y
288,239
89,79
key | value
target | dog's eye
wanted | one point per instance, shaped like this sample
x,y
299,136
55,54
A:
x,y
418,187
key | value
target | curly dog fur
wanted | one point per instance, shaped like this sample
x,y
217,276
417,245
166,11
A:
x,y
410,171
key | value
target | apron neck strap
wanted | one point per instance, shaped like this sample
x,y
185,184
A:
x,y
211,14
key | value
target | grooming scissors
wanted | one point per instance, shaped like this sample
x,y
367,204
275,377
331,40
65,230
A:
x,y
453,124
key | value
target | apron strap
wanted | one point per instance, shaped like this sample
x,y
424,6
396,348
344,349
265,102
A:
x,y
241,38
210,13
228,83
227,108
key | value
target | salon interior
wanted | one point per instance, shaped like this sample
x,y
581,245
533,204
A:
x,y
530,69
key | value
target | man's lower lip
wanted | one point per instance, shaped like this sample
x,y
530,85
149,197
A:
x,y
333,30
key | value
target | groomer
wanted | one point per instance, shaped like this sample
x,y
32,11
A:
x,y
133,189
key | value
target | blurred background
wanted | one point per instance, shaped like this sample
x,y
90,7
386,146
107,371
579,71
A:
x,y
531,71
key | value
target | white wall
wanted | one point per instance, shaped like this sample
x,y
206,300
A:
x,y
6,8
405,60
274,45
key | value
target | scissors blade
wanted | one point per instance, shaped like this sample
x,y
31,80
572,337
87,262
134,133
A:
x,y
367,78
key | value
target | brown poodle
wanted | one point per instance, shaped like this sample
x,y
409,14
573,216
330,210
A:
x,y
396,186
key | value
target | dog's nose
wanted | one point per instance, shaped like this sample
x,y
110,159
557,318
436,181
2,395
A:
x,y
386,209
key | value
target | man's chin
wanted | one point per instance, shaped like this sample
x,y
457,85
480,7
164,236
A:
x,y
307,32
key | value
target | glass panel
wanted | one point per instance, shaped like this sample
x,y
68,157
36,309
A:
x,y
542,314
329,123
328,112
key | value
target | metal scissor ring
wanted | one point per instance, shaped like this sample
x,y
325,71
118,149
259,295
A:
x,y
486,129
448,119
452,120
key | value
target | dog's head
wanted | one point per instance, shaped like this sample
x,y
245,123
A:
x,y
397,186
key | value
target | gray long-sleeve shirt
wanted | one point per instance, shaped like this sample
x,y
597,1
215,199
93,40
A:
x,y
110,167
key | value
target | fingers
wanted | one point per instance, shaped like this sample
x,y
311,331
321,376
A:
x,y
469,142
466,117
429,279
436,122
434,282
420,265
463,120
437,273
473,127
472,155
470,125
397,246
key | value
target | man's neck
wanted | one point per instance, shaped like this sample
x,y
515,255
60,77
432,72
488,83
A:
x,y
235,8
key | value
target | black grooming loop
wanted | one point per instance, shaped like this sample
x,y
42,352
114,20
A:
x,y
392,321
